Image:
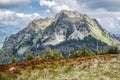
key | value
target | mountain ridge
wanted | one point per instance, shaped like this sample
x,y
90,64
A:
x,y
67,32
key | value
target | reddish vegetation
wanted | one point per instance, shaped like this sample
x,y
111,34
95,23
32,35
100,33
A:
x,y
5,67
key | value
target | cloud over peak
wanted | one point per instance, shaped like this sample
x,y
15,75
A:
x,y
106,11
54,6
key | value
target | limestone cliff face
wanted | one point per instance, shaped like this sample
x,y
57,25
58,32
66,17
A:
x,y
67,32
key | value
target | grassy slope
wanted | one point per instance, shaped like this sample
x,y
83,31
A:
x,y
105,67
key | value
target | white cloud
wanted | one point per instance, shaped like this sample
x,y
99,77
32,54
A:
x,y
54,6
12,3
118,18
47,3
12,22
10,18
108,19
111,24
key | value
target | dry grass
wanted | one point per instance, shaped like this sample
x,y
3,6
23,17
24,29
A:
x,y
105,67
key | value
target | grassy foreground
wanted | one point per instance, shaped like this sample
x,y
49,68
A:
x,y
102,67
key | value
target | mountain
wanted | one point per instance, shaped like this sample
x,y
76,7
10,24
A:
x,y
7,31
67,32
118,36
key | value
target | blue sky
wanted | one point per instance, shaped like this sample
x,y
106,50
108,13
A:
x,y
16,14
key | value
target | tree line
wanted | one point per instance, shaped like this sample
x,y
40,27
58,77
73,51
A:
x,y
49,54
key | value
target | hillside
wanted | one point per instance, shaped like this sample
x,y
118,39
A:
x,y
67,32
104,67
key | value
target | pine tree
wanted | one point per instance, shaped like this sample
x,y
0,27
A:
x,y
13,59
51,54
37,56
29,57
113,50
47,53
86,52
76,54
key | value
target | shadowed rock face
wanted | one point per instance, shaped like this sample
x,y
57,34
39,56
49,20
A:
x,y
67,32
118,36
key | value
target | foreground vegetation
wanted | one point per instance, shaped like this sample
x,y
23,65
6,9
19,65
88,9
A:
x,y
49,54
104,67
52,65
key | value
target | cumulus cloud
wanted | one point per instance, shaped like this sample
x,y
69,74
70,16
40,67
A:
x,y
118,18
111,24
109,20
106,11
110,5
54,6
10,18
47,3
12,22
12,3
80,5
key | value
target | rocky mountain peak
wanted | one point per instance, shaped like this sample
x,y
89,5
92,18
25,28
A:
x,y
67,32
71,13
65,14
40,24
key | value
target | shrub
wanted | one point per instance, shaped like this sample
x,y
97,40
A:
x,y
101,52
51,54
13,59
29,57
82,53
37,56
56,55
86,52
76,54
113,50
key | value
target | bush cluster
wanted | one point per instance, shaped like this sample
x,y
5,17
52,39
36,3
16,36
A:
x,y
49,54
82,53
